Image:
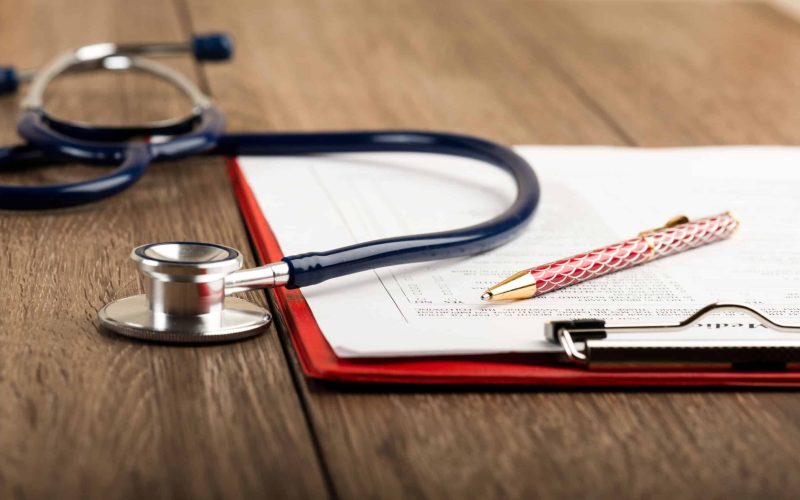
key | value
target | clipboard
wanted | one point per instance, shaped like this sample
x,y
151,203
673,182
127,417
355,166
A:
x,y
318,360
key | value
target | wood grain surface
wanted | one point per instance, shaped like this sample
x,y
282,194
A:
x,y
88,415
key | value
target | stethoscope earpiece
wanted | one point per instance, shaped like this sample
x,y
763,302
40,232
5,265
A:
x,y
212,47
185,297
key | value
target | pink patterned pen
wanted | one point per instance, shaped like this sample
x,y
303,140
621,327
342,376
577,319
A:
x,y
677,235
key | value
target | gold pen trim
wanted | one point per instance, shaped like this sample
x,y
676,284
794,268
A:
x,y
674,221
647,234
736,220
521,285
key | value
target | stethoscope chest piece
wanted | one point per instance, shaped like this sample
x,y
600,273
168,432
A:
x,y
185,298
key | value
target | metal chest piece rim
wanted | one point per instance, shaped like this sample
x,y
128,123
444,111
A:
x,y
185,298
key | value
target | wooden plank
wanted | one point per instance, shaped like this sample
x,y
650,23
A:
x,y
357,64
522,72
674,74
90,415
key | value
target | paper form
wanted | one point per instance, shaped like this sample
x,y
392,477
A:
x,y
591,197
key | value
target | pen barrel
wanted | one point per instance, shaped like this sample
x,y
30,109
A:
x,y
626,254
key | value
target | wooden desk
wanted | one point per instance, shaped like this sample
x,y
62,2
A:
x,y
84,414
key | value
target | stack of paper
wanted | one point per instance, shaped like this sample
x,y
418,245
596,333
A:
x,y
591,196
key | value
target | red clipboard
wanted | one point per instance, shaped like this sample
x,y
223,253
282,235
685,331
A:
x,y
320,362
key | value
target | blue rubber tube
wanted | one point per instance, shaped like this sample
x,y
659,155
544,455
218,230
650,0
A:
x,y
316,267
308,268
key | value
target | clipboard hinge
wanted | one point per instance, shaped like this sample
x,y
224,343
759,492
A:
x,y
585,342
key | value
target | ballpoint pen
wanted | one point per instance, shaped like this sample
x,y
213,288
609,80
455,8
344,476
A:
x,y
677,235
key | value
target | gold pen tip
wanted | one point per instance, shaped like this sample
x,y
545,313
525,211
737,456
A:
x,y
486,296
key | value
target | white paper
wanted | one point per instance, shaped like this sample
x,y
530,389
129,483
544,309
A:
x,y
591,197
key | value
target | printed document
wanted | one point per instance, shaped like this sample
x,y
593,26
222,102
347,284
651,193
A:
x,y
591,197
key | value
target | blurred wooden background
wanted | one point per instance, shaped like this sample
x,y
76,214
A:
x,y
86,415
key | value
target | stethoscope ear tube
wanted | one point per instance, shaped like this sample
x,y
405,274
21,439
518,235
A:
x,y
132,165
44,132
48,144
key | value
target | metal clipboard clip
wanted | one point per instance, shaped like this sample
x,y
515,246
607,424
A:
x,y
584,343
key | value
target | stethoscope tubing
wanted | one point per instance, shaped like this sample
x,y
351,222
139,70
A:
x,y
13,197
315,267
47,140
50,140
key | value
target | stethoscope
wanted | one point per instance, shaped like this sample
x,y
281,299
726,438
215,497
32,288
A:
x,y
188,284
